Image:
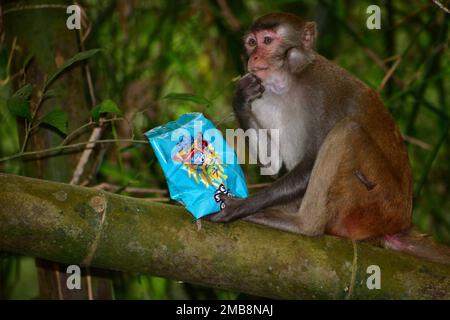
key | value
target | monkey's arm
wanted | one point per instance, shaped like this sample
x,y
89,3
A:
x,y
286,189
243,114
249,89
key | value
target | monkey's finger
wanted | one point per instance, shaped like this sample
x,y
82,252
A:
x,y
208,217
228,200
256,80
223,197
247,80
216,217
251,78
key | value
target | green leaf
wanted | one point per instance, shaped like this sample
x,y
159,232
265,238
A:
x,y
57,119
18,103
104,107
76,58
19,107
24,92
188,97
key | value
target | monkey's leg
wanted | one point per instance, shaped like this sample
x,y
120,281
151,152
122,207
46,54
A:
x,y
279,217
314,213
354,191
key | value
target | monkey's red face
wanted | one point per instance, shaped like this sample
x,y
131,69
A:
x,y
262,47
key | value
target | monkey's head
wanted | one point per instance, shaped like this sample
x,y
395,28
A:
x,y
279,42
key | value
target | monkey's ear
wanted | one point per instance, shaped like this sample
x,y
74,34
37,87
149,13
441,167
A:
x,y
309,35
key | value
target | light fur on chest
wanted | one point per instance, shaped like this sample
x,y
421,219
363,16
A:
x,y
271,111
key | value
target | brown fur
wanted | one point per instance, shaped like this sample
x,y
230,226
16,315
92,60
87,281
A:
x,y
352,175
349,172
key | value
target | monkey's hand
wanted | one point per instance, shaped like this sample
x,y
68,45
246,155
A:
x,y
248,89
235,208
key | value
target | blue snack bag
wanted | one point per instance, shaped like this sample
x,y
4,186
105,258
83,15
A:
x,y
198,163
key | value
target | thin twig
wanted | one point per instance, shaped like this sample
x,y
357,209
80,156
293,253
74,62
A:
x,y
84,22
409,16
440,5
11,53
226,118
370,53
35,7
75,132
84,158
82,127
354,271
58,281
162,199
29,126
389,73
112,187
375,58
429,163
229,16
97,132
67,147
417,142
8,65
430,65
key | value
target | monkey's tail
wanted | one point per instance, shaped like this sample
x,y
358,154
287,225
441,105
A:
x,y
419,245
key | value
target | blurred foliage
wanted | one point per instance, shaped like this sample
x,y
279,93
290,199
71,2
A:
x,y
161,59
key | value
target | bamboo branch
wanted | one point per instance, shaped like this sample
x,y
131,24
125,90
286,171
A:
x,y
72,224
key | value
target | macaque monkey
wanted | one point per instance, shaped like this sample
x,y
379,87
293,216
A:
x,y
348,168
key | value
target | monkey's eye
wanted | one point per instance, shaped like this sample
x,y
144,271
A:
x,y
251,42
267,40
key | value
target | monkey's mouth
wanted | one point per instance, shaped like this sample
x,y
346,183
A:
x,y
258,69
